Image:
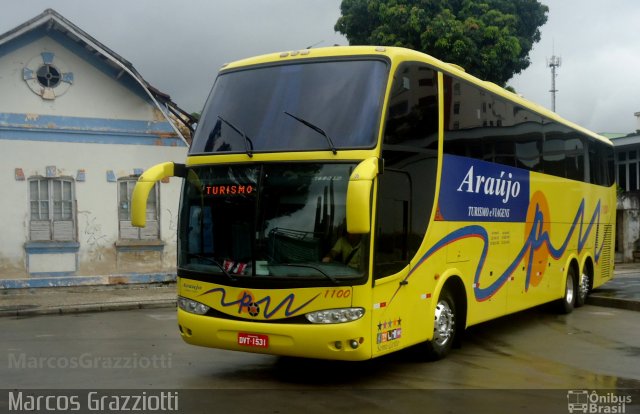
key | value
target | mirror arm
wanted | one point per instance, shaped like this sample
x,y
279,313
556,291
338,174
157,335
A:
x,y
145,184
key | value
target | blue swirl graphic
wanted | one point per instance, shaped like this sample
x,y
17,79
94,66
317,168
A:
x,y
536,239
246,300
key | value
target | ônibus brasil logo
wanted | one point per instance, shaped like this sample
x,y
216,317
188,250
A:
x,y
583,401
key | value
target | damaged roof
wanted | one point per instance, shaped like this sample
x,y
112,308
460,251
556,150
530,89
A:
x,y
52,20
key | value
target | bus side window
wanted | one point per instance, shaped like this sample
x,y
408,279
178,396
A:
x,y
483,125
412,118
392,226
574,149
601,167
406,188
554,156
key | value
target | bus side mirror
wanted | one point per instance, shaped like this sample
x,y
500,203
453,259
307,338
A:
x,y
144,185
359,196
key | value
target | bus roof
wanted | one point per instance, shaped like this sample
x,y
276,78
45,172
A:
x,y
399,54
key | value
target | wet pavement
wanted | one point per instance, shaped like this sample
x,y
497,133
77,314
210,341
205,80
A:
x,y
622,292
522,363
79,299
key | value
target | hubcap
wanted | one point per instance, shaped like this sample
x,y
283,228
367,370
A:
x,y
569,289
444,323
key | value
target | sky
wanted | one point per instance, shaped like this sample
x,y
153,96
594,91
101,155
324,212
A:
x,y
178,47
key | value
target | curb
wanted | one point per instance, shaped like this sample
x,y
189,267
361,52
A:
x,y
91,307
617,303
76,281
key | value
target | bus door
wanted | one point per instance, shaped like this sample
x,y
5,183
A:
x,y
394,298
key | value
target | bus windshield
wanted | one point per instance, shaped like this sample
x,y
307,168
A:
x,y
316,105
260,223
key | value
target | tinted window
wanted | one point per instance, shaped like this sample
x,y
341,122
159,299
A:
x,y
571,154
564,152
392,227
479,124
528,152
406,188
553,149
413,108
482,125
574,148
293,107
601,165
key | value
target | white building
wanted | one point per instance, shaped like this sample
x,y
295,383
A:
x,y
78,124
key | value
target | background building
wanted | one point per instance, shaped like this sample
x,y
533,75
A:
x,y
627,164
78,125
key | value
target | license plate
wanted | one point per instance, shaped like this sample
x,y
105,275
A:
x,y
254,340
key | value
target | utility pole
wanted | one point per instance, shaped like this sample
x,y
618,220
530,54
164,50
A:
x,y
554,63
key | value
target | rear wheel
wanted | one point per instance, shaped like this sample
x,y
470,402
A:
x,y
568,301
583,289
444,327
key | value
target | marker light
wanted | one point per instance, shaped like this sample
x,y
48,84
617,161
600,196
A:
x,y
192,306
335,315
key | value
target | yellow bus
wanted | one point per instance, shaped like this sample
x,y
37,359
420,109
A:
x,y
347,202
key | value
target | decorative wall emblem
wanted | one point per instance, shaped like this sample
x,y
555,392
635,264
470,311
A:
x,y
47,76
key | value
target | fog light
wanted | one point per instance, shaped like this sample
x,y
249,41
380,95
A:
x,y
338,345
354,344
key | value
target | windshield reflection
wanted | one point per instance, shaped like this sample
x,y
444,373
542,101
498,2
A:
x,y
270,221
309,105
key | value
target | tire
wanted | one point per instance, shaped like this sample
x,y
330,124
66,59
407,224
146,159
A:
x,y
444,328
583,289
568,301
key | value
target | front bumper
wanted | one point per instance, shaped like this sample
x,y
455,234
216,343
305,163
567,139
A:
x,y
349,341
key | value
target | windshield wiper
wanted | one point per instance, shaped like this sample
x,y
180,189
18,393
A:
x,y
215,262
335,281
317,129
244,136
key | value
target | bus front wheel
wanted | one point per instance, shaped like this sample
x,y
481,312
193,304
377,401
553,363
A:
x,y
444,327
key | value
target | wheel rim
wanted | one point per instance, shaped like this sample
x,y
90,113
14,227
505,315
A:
x,y
444,323
584,286
569,289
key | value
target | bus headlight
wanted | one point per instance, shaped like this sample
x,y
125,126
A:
x,y
335,315
192,306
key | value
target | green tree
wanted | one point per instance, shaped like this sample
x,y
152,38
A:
x,y
491,39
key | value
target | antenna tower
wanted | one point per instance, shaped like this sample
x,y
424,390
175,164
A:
x,y
554,63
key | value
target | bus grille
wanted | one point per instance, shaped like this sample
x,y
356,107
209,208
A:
x,y
606,257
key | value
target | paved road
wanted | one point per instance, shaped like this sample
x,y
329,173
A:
x,y
530,359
